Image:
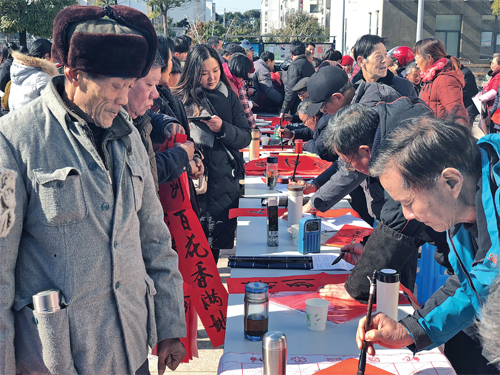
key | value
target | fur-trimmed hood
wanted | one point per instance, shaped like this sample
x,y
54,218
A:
x,y
23,66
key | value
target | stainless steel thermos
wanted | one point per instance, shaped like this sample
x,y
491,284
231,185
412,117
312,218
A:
x,y
47,301
274,353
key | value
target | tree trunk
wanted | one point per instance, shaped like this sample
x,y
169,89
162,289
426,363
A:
x,y
22,38
165,22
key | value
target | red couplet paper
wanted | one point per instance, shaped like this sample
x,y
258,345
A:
x,y
276,121
339,311
293,291
196,263
350,366
337,212
287,283
308,165
347,235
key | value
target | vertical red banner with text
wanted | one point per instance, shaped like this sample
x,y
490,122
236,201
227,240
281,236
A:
x,y
196,263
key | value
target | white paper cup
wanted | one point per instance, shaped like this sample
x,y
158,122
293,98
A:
x,y
295,235
317,311
265,140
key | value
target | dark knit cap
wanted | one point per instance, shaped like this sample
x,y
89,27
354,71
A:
x,y
121,45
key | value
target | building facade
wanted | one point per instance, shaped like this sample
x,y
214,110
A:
x,y
274,13
466,27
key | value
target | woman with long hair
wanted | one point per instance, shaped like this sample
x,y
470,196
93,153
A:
x,y
237,70
442,79
205,91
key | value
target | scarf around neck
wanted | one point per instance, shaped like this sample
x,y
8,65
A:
x,y
238,82
430,73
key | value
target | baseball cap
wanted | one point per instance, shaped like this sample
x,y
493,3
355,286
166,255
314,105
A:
x,y
322,85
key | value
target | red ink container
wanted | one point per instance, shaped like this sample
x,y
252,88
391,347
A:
x,y
299,146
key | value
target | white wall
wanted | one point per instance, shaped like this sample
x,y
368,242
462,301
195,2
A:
x,y
358,20
271,20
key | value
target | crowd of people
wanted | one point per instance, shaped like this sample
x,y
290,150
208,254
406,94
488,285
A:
x,y
83,119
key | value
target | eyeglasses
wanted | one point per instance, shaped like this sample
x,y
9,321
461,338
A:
x,y
349,167
325,103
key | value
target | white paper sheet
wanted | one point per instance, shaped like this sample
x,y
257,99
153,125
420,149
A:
x,y
324,262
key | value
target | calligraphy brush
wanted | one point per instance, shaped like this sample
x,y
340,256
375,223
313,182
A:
x,y
281,135
368,322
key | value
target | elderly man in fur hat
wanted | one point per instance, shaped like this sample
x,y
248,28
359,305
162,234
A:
x,y
88,222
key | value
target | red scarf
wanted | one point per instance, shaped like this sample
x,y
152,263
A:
x,y
430,73
238,82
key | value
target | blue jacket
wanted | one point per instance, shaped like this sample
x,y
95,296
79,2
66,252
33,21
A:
x,y
474,249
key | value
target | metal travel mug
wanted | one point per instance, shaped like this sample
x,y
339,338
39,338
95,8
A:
x,y
48,301
274,353
254,145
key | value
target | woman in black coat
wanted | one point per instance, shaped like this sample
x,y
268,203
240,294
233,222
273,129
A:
x,y
204,90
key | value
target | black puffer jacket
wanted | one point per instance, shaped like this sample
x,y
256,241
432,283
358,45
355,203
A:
x,y
169,105
222,160
298,69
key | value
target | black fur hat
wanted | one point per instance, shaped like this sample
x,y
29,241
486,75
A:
x,y
115,41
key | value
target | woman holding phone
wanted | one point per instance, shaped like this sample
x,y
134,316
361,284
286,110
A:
x,y
205,91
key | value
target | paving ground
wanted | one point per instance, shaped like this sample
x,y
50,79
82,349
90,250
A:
x,y
208,356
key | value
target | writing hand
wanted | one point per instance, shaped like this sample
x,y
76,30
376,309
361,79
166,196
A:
x,y
352,252
383,331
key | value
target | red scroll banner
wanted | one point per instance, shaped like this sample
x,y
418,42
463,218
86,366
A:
x,y
308,165
196,263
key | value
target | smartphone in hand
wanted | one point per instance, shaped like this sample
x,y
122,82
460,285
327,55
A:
x,y
194,118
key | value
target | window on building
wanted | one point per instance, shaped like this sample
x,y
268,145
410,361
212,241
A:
x,y
376,15
490,36
448,31
369,22
313,8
